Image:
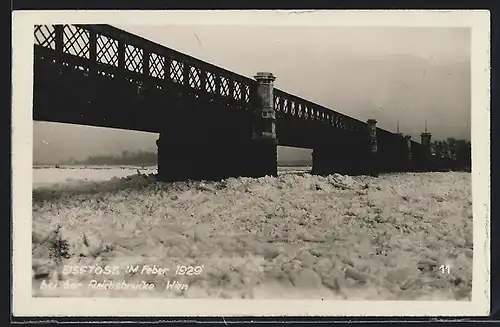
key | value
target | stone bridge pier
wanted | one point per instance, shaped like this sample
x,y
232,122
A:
x,y
374,161
403,153
348,154
197,143
408,166
427,162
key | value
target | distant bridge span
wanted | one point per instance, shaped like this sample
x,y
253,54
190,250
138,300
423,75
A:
x,y
212,122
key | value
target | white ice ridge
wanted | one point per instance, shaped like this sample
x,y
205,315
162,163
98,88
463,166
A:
x,y
294,236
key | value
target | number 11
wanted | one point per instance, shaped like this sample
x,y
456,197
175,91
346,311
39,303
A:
x,y
445,268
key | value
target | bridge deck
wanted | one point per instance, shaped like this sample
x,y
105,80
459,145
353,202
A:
x,y
102,76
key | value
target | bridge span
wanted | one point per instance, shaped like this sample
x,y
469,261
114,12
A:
x,y
213,123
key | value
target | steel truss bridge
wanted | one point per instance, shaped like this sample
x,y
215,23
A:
x,y
213,123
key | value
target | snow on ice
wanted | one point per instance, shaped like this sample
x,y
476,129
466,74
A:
x,y
294,236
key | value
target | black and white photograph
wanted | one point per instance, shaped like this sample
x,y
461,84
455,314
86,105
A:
x,y
256,156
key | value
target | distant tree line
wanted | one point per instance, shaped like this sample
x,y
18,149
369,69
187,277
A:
x,y
452,153
139,158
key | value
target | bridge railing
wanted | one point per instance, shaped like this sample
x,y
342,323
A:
x,y
286,104
112,52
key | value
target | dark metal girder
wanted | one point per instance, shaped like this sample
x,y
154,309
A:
x,y
75,81
136,40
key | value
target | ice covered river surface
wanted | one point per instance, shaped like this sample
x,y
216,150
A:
x,y
294,236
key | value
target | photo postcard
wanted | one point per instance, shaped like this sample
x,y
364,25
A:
x,y
251,163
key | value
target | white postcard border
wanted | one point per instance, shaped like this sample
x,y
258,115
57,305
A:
x,y
22,155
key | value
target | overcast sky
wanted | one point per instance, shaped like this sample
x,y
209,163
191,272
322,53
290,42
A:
x,y
386,73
